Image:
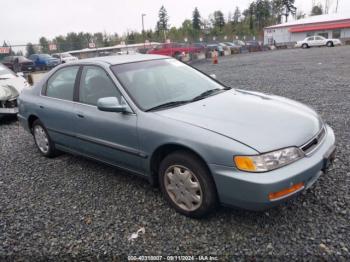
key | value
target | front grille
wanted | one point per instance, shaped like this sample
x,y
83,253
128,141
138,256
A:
x,y
314,142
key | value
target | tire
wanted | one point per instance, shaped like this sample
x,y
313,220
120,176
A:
x,y
42,140
177,56
305,46
330,44
184,177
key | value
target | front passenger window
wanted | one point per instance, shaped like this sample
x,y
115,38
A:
x,y
96,84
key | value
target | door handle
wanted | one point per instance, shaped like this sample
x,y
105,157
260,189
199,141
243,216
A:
x,y
41,106
80,115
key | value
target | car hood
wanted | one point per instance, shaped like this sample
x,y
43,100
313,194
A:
x,y
19,83
263,122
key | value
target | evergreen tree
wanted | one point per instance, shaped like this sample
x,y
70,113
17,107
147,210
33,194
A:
x,y
30,50
196,20
163,19
219,20
44,43
237,15
317,10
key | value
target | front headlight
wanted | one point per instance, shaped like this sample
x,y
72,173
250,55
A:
x,y
8,92
268,161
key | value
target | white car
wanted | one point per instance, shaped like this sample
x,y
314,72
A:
x,y
318,41
11,85
65,57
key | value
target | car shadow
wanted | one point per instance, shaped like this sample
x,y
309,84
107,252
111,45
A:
x,y
6,120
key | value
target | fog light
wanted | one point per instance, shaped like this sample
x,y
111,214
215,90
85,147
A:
x,y
286,192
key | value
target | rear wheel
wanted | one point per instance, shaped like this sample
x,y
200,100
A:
x,y
330,44
187,184
42,139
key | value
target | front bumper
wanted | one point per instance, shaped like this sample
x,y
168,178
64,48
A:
x,y
251,190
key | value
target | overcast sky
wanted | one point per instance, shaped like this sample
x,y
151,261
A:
x,y
23,21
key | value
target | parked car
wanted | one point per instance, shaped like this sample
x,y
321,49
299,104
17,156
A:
x,y
157,117
235,49
313,41
24,64
238,43
174,49
11,85
65,57
44,61
253,46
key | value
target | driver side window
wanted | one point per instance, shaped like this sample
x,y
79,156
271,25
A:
x,y
96,84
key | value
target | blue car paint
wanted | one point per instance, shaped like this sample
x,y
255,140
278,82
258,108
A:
x,y
216,129
44,61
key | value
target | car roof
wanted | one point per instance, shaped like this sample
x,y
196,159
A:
x,y
122,59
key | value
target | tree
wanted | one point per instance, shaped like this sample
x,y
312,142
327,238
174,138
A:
x,y
289,8
317,10
163,19
277,11
237,15
262,13
196,20
30,49
218,20
44,43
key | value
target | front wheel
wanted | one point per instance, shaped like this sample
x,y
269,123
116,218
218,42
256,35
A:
x,y
305,46
187,184
42,139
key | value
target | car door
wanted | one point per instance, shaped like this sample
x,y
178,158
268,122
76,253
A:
x,y
56,107
311,41
107,136
319,41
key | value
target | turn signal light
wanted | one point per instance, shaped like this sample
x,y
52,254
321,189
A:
x,y
285,192
245,163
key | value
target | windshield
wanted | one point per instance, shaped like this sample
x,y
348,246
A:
x,y
6,73
157,82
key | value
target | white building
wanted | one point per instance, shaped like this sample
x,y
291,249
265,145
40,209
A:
x,y
329,26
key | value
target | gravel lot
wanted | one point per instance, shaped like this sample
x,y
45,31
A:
x,y
75,207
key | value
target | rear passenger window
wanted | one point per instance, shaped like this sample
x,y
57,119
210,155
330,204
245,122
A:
x,y
61,84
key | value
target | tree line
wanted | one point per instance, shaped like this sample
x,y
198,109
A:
x,y
245,24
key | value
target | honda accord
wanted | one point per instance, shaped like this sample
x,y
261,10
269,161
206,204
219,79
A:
x,y
202,142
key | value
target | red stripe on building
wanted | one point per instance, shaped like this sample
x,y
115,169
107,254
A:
x,y
325,26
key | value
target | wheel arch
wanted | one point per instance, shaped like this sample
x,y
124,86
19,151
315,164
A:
x,y
31,120
164,150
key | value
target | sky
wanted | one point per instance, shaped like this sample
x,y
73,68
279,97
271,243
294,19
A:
x,y
23,21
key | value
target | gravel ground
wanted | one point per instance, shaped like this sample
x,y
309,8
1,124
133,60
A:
x,y
75,207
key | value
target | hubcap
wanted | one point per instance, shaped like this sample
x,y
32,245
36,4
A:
x,y
183,187
41,139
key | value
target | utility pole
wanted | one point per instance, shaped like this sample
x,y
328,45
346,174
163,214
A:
x,y
143,30
336,8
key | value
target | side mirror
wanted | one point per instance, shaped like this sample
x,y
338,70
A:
x,y
20,74
112,104
213,76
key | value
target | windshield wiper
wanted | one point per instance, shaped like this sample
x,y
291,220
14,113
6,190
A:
x,y
209,93
169,104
